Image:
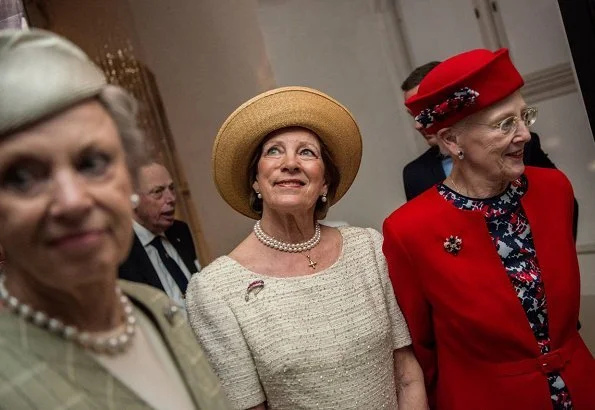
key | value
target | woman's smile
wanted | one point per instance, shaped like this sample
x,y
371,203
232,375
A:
x,y
81,241
516,154
290,183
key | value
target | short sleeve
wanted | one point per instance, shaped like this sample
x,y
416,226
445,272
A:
x,y
219,333
401,337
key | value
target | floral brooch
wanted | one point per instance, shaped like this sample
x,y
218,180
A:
x,y
453,104
453,244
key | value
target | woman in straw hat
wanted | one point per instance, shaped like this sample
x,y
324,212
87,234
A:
x,y
299,315
488,281
71,335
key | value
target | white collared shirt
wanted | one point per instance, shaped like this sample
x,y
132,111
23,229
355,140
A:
x,y
167,281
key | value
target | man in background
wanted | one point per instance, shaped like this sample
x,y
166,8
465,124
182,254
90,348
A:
x,y
163,253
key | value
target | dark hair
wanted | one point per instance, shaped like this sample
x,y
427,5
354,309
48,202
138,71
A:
x,y
417,75
331,176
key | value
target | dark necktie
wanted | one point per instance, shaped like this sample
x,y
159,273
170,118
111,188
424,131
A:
x,y
171,265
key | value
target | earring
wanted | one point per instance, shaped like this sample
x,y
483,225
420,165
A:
x,y
258,195
323,198
461,154
134,199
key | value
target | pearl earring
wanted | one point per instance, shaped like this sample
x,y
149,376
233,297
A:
x,y
461,154
258,195
323,198
134,200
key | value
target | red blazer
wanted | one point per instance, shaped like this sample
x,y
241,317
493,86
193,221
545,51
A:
x,y
469,331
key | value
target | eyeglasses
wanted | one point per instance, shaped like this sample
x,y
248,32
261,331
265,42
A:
x,y
157,192
509,125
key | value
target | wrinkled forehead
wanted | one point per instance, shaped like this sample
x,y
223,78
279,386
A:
x,y
153,176
512,105
293,133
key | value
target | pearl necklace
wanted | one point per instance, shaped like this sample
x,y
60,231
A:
x,y
289,247
286,246
117,343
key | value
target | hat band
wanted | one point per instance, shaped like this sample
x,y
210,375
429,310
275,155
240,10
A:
x,y
453,104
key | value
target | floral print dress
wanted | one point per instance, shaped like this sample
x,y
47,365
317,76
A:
x,y
511,235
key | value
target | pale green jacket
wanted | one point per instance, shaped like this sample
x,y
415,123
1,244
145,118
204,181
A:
x,y
39,370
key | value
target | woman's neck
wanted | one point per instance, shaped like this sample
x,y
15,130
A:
x,y
474,185
91,307
289,228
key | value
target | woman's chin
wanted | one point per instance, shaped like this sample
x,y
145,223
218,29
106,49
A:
x,y
291,206
79,268
515,171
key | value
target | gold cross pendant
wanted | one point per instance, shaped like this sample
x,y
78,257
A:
x,y
311,263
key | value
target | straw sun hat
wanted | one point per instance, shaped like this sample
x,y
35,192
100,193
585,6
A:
x,y
244,130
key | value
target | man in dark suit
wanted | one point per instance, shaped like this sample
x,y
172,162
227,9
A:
x,y
432,167
163,253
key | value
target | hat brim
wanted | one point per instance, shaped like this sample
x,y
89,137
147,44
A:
x,y
244,130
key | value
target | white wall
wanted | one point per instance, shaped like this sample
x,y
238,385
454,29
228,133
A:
x,y
565,136
340,47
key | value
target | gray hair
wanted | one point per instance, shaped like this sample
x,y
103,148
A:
x,y
123,109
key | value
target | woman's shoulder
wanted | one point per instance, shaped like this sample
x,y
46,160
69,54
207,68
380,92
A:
x,y
216,271
358,241
356,230
411,216
547,179
145,294
218,279
545,174
221,263
356,234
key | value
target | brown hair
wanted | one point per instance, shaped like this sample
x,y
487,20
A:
x,y
414,79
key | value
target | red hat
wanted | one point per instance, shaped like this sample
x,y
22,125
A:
x,y
463,85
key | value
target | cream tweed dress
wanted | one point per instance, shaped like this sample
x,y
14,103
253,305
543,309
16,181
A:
x,y
322,341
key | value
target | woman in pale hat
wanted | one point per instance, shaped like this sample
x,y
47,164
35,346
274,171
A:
x,y
299,315
484,265
71,335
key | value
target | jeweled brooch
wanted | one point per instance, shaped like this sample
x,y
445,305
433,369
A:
x,y
254,288
453,244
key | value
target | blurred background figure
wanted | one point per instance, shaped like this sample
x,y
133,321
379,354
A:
x,y
163,253
71,333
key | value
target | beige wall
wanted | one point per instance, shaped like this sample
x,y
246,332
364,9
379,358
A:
x,y
208,58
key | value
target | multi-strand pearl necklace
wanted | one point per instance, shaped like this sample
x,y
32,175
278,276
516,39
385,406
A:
x,y
289,247
117,343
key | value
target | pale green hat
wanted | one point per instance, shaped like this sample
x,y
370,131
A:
x,y
42,74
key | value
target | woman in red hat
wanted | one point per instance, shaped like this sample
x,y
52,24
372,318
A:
x,y
484,265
